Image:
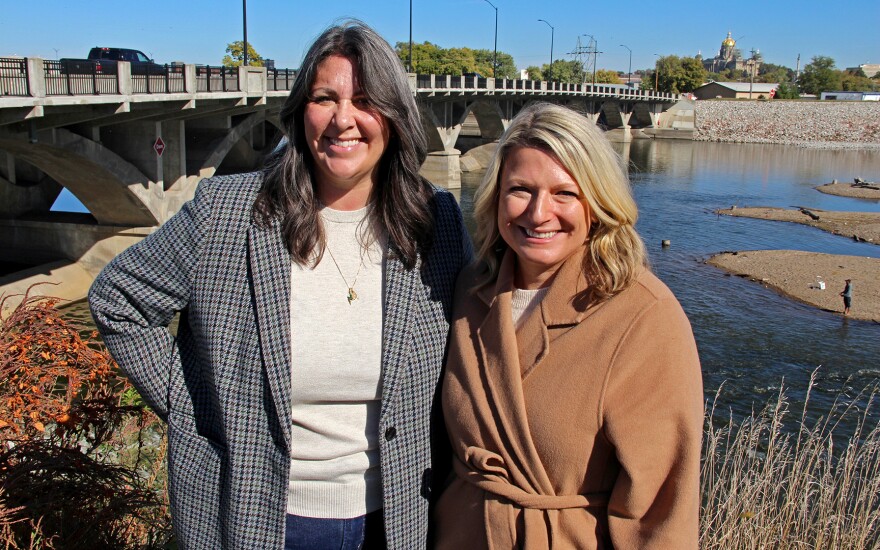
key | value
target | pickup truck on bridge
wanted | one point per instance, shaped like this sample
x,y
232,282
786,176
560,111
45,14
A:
x,y
103,61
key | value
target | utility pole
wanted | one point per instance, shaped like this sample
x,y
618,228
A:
x,y
656,73
596,53
578,53
753,62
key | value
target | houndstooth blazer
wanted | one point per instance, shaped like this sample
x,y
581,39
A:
x,y
223,383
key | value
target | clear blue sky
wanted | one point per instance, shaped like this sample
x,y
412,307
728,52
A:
x,y
197,31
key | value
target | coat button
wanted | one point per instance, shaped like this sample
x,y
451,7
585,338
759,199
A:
x,y
390,433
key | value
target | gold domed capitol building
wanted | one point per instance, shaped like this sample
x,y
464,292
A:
x,y
729,57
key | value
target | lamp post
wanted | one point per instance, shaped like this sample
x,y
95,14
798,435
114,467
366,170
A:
x,y
495,56
656,73
629,74
410,37
244,60
552,30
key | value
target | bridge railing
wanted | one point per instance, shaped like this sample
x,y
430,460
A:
x,y
280,79
477,84
164,79
216,79
87,79
13,77
33,77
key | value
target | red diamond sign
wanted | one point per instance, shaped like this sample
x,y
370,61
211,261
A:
x,y
159,146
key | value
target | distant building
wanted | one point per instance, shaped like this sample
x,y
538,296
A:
x,y
631,80
870,69
729,57
735,90
850,96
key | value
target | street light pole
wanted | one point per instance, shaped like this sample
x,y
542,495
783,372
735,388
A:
x,y
629,74
244,22
495,56
410,37
552,31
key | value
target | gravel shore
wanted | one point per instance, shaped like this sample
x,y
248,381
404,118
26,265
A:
x,y
818,124
794,273
861,226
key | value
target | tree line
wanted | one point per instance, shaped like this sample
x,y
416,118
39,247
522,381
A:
x,y
671,73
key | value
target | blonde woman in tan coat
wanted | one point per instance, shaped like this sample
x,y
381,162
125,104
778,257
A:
x,y
573,395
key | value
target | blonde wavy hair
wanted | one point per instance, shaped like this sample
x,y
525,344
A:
x,y
616,251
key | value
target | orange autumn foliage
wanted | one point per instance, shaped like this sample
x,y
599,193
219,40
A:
x,y
80,454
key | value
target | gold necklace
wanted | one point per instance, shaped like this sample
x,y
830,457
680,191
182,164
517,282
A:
x,y
352,295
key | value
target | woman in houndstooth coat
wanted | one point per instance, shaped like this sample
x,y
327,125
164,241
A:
x,y
300,390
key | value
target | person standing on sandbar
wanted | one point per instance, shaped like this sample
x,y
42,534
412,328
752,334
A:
x,y
847,296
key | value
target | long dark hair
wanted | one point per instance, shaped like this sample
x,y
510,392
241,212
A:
x,y
400,202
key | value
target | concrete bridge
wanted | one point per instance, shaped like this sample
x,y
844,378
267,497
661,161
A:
x,y
132,148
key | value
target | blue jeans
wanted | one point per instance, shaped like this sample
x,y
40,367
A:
x,y
363,532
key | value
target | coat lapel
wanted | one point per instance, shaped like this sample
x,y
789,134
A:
x,y
500,361
269,265
401,294
564,305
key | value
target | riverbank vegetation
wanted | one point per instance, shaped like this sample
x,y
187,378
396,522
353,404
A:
x,y
81,458
778,480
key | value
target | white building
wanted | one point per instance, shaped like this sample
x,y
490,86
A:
x,y
850,96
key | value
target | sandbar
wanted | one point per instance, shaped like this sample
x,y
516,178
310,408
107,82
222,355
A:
x,y
871,191
861,226
794,273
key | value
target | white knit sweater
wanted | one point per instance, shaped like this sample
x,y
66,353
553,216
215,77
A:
x,y
336,358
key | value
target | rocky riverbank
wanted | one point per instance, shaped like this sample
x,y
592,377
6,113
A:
x,y
822,124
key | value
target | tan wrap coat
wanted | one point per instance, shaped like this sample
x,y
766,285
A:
x,y
581,429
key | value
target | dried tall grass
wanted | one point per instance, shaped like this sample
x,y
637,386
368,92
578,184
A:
x,y
774,480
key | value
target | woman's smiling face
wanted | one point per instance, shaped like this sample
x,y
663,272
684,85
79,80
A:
x,y
541,214
346,135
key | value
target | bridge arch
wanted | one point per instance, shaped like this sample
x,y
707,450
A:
x,y
233,139
112,189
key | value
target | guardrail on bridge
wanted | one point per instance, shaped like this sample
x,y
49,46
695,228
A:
x,y
33,77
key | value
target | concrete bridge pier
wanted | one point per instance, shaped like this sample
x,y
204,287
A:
x,y
443,168
442,123
617,119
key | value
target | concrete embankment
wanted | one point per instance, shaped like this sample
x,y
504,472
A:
x,y
822,124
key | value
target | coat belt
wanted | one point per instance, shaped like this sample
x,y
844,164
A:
x,y
485,470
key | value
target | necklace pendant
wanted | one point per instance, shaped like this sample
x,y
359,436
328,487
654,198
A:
x,y
352,296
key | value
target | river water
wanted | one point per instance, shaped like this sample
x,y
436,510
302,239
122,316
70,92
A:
x,y
750,338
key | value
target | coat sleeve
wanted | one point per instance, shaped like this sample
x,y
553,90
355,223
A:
x,y
450,209
136,296
653,417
